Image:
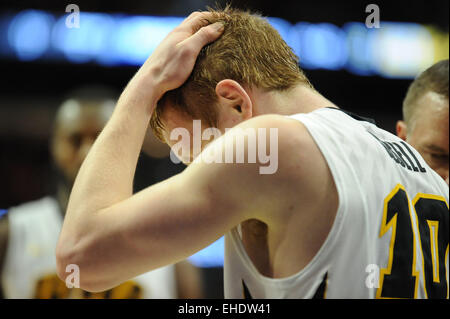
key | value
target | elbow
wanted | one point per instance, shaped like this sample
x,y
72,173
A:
x,y
76,269
68,264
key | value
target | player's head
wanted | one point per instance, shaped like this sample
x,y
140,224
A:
x,y
78,121
425,117
250,55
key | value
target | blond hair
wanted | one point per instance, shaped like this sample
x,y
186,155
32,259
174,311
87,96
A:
x,y
434,79
250,51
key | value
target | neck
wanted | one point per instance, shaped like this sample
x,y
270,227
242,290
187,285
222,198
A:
x,y
300,99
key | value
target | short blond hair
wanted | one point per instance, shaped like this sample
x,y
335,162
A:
x,y
250,51
433,79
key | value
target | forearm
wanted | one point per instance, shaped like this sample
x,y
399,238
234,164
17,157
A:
x,y
109,233
106,176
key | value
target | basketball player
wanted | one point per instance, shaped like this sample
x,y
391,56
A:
x,y
30,231
346,196
425,117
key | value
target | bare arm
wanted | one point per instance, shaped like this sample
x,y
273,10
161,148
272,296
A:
x,y
96,207
113,235
171,220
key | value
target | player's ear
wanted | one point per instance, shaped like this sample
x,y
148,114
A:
x,y
401,130
235,99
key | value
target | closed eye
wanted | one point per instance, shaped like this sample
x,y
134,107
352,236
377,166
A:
x,y
439,157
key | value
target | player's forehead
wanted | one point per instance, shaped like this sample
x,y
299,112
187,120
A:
x,y
432,104
431,110
431,133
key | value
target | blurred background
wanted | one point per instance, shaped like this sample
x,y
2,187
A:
x,y
364,70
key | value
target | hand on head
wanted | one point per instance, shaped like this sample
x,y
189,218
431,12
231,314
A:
x,y
173,60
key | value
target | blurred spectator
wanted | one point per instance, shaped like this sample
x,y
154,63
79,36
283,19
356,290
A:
x,y
425,117
29,232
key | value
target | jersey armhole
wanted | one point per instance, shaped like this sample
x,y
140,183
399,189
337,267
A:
x,y
320,258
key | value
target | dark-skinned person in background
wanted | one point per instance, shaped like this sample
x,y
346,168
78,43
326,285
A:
x,y
29,232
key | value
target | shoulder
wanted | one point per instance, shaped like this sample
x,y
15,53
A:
x,y
280,134
28,213
285,125
34,209
40,216
277,161
272,140
287,140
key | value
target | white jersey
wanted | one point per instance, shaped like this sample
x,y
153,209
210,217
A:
x,y
390,237
29,270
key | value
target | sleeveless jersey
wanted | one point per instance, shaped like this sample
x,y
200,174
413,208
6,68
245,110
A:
x,y
390,236
29,270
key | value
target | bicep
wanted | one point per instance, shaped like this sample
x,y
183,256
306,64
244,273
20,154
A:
x,y
169,221
163,224
175,218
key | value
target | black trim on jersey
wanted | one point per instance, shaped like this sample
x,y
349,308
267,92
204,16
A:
x,y
355,116
423,170
245,291
398,154
320,292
